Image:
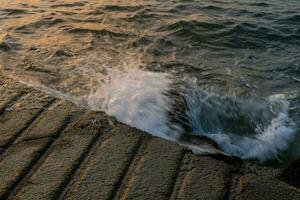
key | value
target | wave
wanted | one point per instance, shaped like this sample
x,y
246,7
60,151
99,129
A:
x,y
137,98
249,127
96,32
231,34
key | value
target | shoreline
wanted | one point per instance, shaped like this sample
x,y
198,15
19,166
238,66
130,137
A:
x,y
51,148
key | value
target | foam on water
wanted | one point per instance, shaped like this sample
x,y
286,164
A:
x,y
138,98
264,144
274,139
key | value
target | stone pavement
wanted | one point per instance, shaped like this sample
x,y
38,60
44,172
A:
x,y
52,149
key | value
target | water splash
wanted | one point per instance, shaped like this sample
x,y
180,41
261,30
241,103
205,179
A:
x,y
136,97
168,107
249,128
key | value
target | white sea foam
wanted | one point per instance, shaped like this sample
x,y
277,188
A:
x,y
137,98
263,146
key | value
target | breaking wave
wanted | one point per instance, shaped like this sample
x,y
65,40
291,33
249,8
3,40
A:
x,y
250,128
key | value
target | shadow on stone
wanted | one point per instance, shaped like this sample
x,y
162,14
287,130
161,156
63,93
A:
x,y
291,174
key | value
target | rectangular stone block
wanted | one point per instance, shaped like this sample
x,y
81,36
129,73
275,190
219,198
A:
x,y
156,172
107,165
252,187
21,114
67,152
207,178
9,92
50,122
17,162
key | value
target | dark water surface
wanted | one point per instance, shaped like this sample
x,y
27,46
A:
x,y
229,70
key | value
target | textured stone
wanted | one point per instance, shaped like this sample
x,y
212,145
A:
x,y
107,165
207,178
49,124
21,114
18,160
67,152
291,174
155,172
252,187
9,92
